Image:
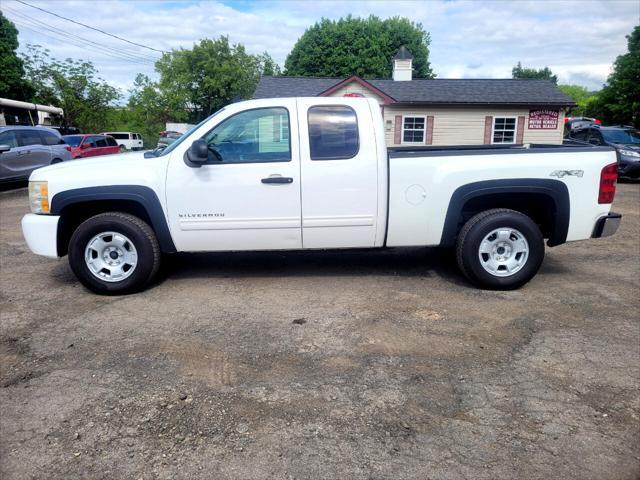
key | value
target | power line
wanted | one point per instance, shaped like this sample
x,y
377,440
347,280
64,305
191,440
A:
x,y
91,28
26,22
141,62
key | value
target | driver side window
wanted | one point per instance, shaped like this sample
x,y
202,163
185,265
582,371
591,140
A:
x,y
253,136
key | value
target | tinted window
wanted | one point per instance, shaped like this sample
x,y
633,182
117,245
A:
x,y
595,138
259,135
49,138
111,142
580,135
101,142
620,135
73,140
9,138
120,136
333,133
29,137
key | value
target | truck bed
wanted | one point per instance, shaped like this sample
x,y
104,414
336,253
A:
x,y
447,150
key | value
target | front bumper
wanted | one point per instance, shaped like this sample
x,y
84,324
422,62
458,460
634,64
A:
x,y
629,168
41,234
607,226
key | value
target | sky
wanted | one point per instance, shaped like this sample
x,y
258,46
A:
x,y
579,40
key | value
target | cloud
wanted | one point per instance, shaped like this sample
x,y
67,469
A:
x,y
578,41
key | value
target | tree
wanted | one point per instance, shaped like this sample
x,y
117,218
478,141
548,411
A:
x,y
580,95
147,111
268,66
360,46
72,85
541,74
619,100
209,76
12,82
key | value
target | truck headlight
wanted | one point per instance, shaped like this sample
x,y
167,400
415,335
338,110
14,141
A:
x,y
630,153
39,197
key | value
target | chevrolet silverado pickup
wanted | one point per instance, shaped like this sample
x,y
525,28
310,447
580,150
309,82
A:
x,y
315,173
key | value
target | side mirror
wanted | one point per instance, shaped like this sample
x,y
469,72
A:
x,y
84,146
594,141
198,153
5,148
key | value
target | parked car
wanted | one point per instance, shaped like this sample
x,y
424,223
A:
x,y
23,149
126,140
625,140
572,123
315,173
83,146
167,138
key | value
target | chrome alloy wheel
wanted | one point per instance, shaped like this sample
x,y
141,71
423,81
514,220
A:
x,y
503,252
111,256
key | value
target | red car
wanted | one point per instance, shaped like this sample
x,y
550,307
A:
x,y
91,145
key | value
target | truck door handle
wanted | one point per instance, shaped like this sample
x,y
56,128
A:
x,y
277,180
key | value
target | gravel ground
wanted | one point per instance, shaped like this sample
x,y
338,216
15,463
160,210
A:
x,y
359,365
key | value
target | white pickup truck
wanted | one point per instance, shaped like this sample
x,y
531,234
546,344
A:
x,y
315,173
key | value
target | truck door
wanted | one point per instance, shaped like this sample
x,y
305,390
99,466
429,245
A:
x,y
339,174
247,195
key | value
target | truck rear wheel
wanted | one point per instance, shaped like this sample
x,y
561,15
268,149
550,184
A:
x,y
114,253
500,249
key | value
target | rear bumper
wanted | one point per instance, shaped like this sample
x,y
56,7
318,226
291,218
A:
x,y
41,234
607,226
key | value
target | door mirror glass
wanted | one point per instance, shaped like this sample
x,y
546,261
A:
x,y
4,148
198,153
84,146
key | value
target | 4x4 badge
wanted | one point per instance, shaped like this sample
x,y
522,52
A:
x,y
567,173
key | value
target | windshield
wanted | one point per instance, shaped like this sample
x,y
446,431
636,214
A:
x,y
73,140
175,144
621,135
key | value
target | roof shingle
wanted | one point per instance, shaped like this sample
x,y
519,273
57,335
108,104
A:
x,y
420,91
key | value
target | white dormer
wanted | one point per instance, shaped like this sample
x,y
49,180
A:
x,y
402,65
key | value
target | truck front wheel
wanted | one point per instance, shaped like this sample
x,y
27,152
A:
x,y
114,253
500,249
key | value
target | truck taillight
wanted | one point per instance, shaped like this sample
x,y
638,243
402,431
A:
x,y
68,148
608,179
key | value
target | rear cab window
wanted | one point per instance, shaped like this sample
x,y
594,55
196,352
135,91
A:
x,y
333,132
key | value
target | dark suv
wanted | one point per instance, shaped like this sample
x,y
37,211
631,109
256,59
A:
x,y
626,141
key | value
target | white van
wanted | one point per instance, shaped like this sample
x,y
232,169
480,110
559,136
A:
x,y
126,140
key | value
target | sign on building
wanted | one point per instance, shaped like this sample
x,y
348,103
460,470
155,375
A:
x,y
543,119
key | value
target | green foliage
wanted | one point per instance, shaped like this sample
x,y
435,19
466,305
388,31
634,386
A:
x,y
12,82
537,74
619,100
268,66
581,96
147,111
360,46
209,76
72,85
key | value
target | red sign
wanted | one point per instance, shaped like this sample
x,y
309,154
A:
x,y
543,119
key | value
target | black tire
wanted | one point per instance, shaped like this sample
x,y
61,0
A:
x,y
56,160
137,231
122,149
474,232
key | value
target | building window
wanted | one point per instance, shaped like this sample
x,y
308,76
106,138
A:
x,y
413,129
504,130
